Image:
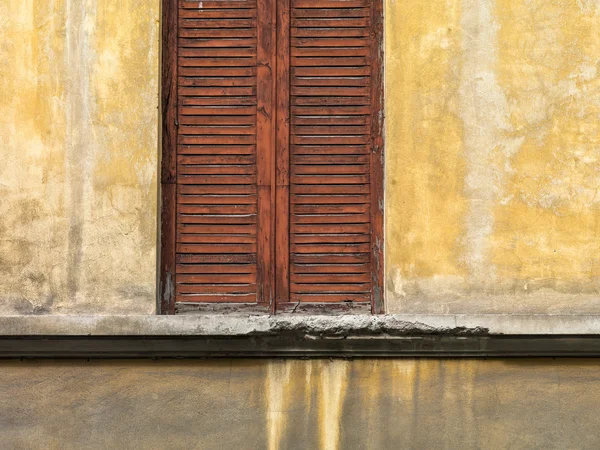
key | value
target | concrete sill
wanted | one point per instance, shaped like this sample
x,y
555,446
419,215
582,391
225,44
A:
x,y
299,336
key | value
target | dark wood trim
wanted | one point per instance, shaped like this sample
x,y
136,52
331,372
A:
x,y
168,181
282,224
167,248
377,158
265,149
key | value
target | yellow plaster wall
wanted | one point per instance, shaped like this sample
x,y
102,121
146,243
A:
x,y
78,165
493,146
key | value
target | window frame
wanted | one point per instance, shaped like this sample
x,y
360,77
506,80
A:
x,y
168,170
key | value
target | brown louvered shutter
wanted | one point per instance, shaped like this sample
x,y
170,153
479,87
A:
x,y
272,155
330,66
224,147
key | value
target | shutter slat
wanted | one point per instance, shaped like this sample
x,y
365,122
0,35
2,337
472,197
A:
x,y
216,288
206,298
197,13
331,298
218,4
330,268
218,269
337,13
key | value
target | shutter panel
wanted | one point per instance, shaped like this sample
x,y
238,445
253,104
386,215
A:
x,y
243,150
333,211
224,147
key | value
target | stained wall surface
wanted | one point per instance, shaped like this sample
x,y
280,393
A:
x,y
493,146
270,404
492,143
78,164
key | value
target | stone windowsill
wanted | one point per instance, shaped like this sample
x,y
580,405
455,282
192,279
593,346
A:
x,y
305,325
299,336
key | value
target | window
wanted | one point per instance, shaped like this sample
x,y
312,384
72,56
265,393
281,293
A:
x,y
272,173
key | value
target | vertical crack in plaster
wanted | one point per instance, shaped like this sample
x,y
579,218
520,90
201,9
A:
x,y
484,112
334,382
79,141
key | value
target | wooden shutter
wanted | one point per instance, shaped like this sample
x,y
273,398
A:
x,y
272,155
224,147
329,64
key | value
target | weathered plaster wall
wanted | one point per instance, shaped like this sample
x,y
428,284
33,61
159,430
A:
x,y
78,132
491,138
493,146
296,404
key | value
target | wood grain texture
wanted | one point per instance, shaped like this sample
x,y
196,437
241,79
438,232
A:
x,y
167,275
224,100
273,154
282,237
334,186
377,159
265,123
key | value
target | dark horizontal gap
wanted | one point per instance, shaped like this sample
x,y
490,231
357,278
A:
x,y
327,163
317,136
328,223
228,264
184,20
217,235
325,255
185,29
219,126
322,264
221,13
245,57
333,77
316,234
314,47
331,58
233,286
302,274
247,5
299,284
331,216
200,40
312,27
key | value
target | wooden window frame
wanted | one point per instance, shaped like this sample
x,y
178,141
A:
x,y
277,285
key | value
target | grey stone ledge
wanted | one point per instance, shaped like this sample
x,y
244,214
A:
x,y
300,326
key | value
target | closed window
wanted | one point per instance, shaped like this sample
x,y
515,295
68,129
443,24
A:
x,y
272,178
